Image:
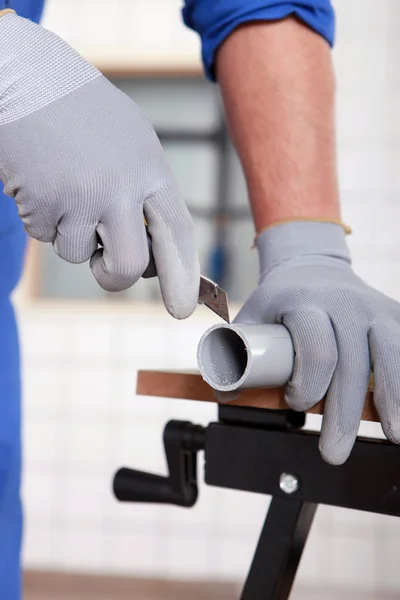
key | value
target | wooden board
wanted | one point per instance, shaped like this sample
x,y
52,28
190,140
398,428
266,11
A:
x,y
191,386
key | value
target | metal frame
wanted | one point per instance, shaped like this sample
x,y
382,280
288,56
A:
x,y
269,452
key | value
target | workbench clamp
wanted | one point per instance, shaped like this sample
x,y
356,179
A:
x,y
269,452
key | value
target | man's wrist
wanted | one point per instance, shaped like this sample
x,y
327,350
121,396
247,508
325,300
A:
x,y
294,240
345,227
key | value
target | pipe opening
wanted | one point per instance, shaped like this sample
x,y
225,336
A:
x,y
223,357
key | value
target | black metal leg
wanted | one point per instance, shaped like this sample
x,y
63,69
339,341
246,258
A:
x,y
279,549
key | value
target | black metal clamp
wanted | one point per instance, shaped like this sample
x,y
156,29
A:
x,y
268,452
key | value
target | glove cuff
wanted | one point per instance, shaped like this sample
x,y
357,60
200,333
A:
x,y
297,239
7,11
37,68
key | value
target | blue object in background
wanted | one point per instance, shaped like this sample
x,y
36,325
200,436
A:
x,y
12,252
10,446
218,263
30,9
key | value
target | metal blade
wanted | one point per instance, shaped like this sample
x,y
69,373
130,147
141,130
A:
x,y
215,298
210,294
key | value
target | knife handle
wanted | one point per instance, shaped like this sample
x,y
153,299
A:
x,y
151,270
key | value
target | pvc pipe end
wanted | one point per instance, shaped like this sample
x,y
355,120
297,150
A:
x,y
240,356
223,358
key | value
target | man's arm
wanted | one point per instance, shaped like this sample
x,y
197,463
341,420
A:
x,y
278,88
83,164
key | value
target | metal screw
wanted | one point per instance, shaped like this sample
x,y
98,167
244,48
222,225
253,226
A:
x,y
289,483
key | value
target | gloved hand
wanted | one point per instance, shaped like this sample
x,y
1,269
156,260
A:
x,y
79,157
341,329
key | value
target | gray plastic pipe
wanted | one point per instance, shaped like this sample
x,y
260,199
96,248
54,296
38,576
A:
x,y
234,357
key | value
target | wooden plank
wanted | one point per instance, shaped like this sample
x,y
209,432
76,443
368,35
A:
x,y
191,386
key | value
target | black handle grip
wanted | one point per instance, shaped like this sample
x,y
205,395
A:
x,y
182,440
151,270
137,486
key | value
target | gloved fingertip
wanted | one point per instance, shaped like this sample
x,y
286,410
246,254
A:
x,y
250,313
298,402
225,397
74,253
110,282
180,289
47,236
241,319
392,431
182,308
335,452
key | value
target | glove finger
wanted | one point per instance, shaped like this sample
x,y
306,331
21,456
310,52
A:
x,y
39,225
173,242
41,229
346,395
74,242
250,312
124,256
384,341
315,357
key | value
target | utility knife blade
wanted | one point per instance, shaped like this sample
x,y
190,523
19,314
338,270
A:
x,y
210,294
214,297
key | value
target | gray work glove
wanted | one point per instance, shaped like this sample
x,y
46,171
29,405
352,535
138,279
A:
x,y
341,329
79,157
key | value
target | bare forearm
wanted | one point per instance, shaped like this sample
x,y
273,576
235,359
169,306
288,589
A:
x,y
278,87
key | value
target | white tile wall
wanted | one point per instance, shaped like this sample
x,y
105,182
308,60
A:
x,y
82,419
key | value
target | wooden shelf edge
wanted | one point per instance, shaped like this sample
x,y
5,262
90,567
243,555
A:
x,y
191,386
149,72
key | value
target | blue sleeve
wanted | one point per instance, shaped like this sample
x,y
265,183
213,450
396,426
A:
x,y
214,20
30,9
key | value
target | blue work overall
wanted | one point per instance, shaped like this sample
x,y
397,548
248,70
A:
x,y
12,251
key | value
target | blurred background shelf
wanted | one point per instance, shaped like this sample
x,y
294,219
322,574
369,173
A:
x,y
59,586
126,34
